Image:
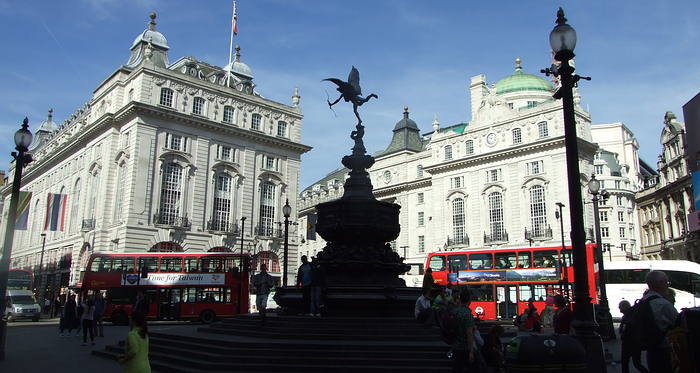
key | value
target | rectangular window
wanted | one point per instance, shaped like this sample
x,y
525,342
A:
x,y
480,261
623,246
517,136
421,244
267,208
542,129
535,167
255,121
598,169
224,153
457,262
149,263
421,198
166,97
469,146
618,184
456,182
125,140
524,259
448,152
228,114
198,106
531,104
419,171
281,128
622,232
607,247
493,176
603,216
171,264
604,232
505,260
270,163
176,142
620,216
437,263
546,258
421,218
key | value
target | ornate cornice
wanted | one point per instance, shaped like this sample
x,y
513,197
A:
x,y
405,186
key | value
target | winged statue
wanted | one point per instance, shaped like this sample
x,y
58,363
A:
x,y
351,92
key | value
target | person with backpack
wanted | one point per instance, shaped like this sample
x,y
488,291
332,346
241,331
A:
x,y
562,315
630,347
304,280
461,322
652,317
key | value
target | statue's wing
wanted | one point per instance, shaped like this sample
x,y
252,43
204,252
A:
x,y
337,81
354,80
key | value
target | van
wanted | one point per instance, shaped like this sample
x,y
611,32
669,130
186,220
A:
x,y
21,304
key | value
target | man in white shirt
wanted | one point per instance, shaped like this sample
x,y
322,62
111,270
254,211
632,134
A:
x,y
423,306
665,314
262,283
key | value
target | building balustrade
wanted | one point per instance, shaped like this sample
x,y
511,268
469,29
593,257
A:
x,y
88,224
496,237
171,220
268,231
218,225
539,233
458,240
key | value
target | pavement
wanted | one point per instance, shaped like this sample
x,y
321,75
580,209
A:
x,y
37,347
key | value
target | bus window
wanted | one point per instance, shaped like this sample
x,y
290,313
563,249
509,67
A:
x,y
149,262
210,295
437,263
232,264
626,276
189,295
120,295
457,262
505,260
212,264
102,264
524,259
681,280
171,264
540,293
123,264
566,257
191,265
480,261
546,259
525,293
482,293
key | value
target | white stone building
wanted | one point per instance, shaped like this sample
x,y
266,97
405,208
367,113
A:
x,y
493,182
165,157
617,166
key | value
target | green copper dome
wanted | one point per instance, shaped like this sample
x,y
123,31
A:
x,y
520,81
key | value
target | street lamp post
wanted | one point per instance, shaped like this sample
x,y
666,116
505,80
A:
x,y
41,270
23,137
240,269
562,39
565,254
287,212
607,330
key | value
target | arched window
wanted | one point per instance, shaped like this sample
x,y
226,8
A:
x,y
281,128
119,193
542,129
255,121
538,212
458,228
166,97
228,114
130,96
448,152
75,208
198,106
496,216
517,136
269,259
170,194
166,247
469,147
221,214
38,225
267,208
94,192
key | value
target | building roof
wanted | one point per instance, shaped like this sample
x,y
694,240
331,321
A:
x,y
610,159
337,174
520,81
406,136
239,68
151,35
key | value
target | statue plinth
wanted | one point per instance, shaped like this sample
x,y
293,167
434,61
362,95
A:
x,y
362,271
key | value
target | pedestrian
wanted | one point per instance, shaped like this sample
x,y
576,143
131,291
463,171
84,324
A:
x,y
135,358
68,317
463,354
629,348
99,314
304,280
57,307
428,280
47,306
664,316
493,349
562,315
80,309
318,286
262,284
423,307
547,314
88,305
141,304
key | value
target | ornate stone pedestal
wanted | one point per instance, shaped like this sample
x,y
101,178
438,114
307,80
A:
x,y
361,268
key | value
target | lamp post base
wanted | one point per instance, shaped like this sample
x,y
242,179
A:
x,y
585,333
606,328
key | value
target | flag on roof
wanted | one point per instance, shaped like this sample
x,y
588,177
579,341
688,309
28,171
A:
x,y
234,21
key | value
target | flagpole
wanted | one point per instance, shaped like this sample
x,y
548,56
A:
x,y
230,46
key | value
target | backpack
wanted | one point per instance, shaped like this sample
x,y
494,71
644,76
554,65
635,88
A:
x,y
641,328
449,325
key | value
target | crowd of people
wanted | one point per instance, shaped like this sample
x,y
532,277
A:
x,y
648,325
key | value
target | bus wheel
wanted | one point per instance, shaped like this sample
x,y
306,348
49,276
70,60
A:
x,y
119,318
207,316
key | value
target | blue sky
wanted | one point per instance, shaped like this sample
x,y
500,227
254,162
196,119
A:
x,y
643,57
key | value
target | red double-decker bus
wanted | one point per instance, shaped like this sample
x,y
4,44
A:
x,y
502,281
176,285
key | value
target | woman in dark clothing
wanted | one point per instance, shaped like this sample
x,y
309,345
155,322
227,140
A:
x,y
493,349
69,318
428,280
629,348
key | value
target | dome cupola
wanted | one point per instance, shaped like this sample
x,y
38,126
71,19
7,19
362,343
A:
x,y
520,81
149,45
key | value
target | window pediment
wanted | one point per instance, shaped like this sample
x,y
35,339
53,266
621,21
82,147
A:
x,y
176,156
220,166
455,194
272,177
122,157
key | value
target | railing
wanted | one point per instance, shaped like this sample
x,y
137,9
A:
x,y
631,256
496,237
223,226
539,233
268,231
88,224
453,241
171,220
